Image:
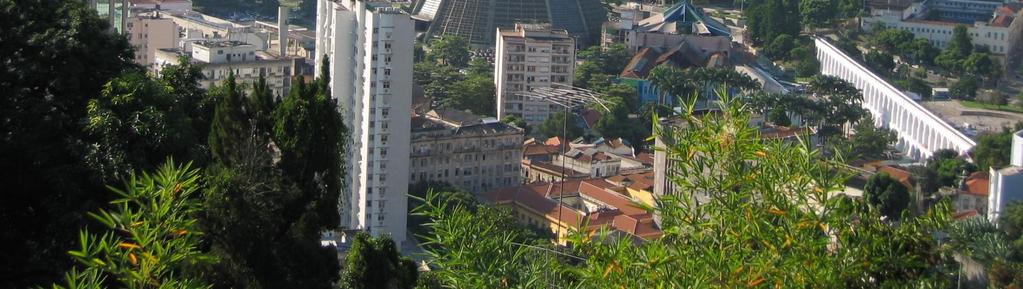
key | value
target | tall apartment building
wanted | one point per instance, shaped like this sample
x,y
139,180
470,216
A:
x,y
219,58
370,48
530,56
148,32
461,149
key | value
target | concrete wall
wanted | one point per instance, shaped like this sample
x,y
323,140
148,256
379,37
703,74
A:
x,y
921,133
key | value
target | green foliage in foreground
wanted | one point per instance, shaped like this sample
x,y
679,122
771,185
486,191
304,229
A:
x,y
757,214
375,263
151,239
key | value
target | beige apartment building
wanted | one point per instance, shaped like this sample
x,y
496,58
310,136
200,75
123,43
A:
x,y
530,56
472,153
219,58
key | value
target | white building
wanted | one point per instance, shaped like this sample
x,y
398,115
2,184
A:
x,y
530,56
1006,183
370,48
991,24
219,58
471,153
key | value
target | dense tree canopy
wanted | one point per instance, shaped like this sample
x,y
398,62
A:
x,y
374,263
450,50
557,125
887,195
869,142
57,56
993,150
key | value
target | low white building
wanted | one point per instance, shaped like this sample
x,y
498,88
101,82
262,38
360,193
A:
x,y
1006,184
220,58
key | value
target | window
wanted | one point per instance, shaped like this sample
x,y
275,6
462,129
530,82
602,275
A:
x,y
383,139
387,84
380,217
384,111
386,71
383,153
383,177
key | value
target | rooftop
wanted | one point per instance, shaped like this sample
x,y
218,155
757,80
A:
x,y
220,43
977,184
459,122
605,207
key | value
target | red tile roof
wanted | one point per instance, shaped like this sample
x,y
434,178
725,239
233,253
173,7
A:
x,y
977,184
622,214
903,176
1002,21
538,149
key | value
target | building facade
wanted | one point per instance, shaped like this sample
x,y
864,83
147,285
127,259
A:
x,y
1006,184
220,58
470,153
991,24
530,56
148,32
369,45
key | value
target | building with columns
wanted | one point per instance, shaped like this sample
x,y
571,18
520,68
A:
x,y
920,131
369,45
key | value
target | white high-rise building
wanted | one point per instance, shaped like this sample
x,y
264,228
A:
x,y
530,56
369,45
1006,184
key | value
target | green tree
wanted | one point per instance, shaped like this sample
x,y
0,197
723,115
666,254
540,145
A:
x,y
780,46
262,103
479,67
949,167
182,82
151,239
518,122
559,124
476,94
880,62
961,45
611,60
869,142
923,51
817,13
671,83
451,50
837,103
590,75
965,88
981,65
617,124
135,123
57,56
777,116
959,48
893,41
375,263
887,195
484,247
993,150
231,124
